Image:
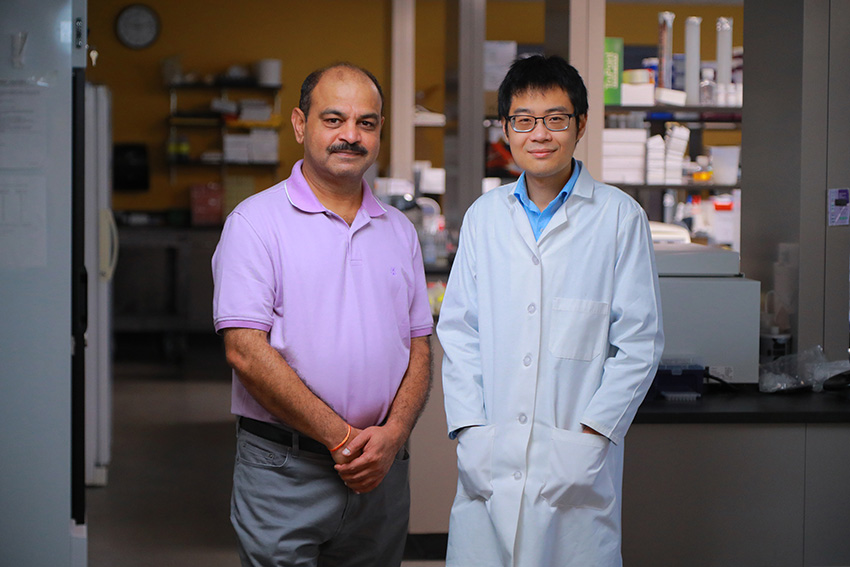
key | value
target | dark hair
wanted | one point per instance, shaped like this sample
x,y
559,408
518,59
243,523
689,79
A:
x,y
313,79
539,72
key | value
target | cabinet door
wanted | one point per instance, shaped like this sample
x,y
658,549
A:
x,y
827,494
836,289
199,308
707,495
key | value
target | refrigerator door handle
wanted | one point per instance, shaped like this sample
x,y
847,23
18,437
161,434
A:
x,y
108,245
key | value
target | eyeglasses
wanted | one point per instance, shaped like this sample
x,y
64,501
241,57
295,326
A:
x,y
522,123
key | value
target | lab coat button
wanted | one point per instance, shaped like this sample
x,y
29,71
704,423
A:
x,y
535,260
522,418
532,308
527,360
517,475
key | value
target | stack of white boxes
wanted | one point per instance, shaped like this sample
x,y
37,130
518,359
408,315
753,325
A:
x,y
638,88
237,148
655,161
258,146
624,155
254,110
264,145
676,142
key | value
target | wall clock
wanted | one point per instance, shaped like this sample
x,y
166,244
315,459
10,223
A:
x,y
137,26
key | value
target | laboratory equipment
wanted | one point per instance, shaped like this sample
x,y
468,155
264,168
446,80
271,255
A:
x,y
710,311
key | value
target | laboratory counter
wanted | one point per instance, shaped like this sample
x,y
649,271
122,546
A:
x,y
739,477
743,403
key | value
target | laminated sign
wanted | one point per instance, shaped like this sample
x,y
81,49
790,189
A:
x,y
839,207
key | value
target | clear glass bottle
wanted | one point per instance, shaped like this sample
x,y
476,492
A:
x,y
708,88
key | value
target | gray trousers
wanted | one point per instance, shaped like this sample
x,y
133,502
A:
x,y
290,509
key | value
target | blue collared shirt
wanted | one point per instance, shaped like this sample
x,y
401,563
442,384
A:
x,y
539,219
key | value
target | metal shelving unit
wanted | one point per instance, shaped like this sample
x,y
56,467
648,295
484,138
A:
x,y
193,120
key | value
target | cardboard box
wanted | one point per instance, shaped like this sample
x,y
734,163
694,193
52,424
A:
x,y
629,176
613,70
638,76
624,149
624,135
670,96
637,95
636,162
206,204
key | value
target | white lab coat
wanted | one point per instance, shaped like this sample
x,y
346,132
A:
x,y
541,337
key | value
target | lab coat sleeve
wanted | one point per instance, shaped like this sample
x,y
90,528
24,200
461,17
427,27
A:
x,y
458,332
635,332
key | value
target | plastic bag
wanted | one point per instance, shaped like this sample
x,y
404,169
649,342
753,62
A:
x,y
808,368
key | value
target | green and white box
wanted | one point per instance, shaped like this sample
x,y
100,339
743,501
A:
x,y
613,75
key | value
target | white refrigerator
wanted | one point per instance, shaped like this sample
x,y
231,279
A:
x,y
42,282
101,256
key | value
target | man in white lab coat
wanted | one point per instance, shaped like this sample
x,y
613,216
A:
x,y
551,326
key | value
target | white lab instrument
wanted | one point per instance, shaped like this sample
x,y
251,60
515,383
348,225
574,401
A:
x,y
710,311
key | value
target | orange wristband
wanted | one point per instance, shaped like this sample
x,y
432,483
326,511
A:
x,y
343,442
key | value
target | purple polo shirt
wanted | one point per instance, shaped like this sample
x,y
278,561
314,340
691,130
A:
x,y
340,302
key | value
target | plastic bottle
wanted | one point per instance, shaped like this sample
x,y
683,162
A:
x,y
704,173
669,203
708,88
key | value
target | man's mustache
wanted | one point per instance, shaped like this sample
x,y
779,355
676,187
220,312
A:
x,y
346,147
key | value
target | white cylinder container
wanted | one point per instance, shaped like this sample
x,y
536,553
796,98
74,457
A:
x,y
692,59
268,72
724,51
665,49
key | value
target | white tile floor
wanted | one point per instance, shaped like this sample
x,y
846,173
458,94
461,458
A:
x,y
167,499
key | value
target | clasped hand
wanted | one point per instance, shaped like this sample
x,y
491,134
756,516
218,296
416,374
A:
x,y
365,460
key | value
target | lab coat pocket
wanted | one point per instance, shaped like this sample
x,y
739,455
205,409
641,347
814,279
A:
x,y
578,476
474,460
578,329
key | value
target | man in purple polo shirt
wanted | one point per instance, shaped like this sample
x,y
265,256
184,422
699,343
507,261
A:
x,y
320,295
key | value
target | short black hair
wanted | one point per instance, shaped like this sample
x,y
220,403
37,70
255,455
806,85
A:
x,y
539,73
313,79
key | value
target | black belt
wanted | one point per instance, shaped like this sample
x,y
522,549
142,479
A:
x,y
276,434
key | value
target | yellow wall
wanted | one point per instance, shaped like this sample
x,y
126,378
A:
x,y
522,22
212,35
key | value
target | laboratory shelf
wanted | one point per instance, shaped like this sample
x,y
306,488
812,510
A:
x,y
659,109
203,163
684,186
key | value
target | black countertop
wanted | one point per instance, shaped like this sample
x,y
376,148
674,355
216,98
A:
x,y
745,404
